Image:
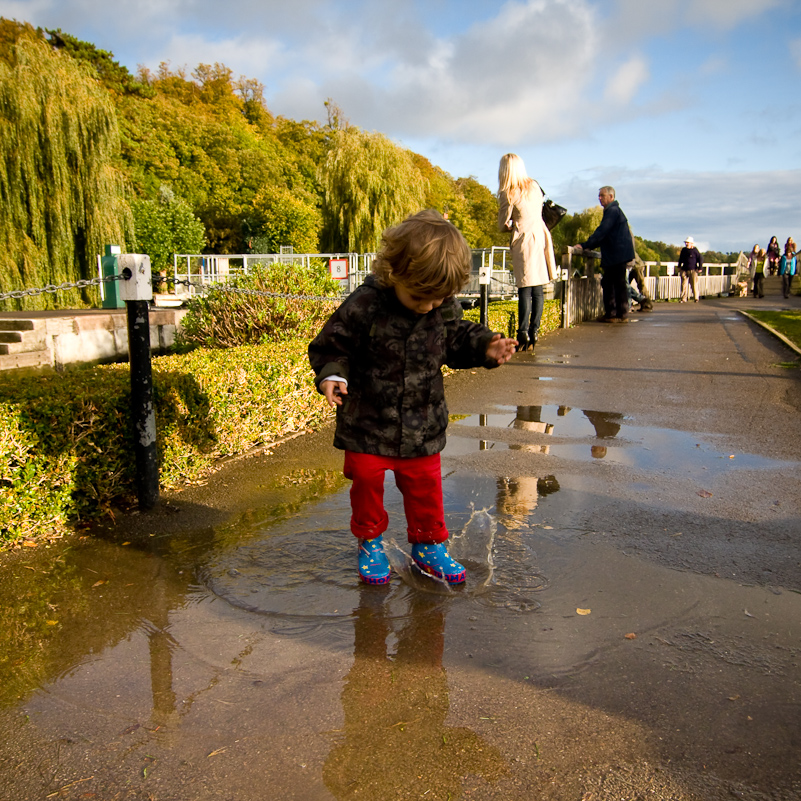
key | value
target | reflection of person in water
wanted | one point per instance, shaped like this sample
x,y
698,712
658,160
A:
x,y
606,424
518,497
529,418
395,742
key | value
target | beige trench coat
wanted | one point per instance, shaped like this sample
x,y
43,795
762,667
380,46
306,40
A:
x,y
533,260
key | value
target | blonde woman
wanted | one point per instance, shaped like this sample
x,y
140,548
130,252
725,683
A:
x,y
520,212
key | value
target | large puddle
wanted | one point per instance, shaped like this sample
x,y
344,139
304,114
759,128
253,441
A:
x,y
606,435
219,662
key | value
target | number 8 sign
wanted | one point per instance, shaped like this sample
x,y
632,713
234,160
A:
x,y
338,268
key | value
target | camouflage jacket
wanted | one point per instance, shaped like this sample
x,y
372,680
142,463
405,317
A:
x,y
391,358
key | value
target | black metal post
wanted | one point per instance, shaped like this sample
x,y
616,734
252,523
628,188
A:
x,y
483,313
143,416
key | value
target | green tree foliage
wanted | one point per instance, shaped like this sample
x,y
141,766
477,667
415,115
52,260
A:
x,y
657,251
204,137
471,207
645,251
575,228
62,195
369,184
285,218
483,208
165,227
248,176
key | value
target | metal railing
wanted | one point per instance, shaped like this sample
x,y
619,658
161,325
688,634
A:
x,y
581,288
193,272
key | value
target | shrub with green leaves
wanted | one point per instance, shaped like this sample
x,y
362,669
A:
x,y
499,313
66,449
165,227
223,318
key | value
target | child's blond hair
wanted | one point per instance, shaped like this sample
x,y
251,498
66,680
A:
x,y
425,253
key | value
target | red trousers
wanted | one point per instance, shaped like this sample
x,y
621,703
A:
x,y
419,480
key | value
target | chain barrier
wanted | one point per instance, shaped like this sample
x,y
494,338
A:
x,y
53,288
204,288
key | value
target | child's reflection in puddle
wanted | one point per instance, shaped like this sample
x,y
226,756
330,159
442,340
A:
x,y
395,743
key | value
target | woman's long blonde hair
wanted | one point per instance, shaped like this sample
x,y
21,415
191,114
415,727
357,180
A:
x,y
512,177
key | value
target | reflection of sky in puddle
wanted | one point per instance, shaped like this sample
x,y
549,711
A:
x,y
644,448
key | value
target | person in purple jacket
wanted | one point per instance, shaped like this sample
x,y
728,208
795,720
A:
x,y
690,263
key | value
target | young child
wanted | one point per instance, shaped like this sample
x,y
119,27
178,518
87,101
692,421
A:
x,y
378,360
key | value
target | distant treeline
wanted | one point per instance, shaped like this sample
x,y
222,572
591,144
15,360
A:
x,y
168,162
659,251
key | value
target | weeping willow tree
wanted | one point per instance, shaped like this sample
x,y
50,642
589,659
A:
x,y
368,184
61,195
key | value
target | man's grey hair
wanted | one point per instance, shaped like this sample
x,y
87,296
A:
x,y
610,190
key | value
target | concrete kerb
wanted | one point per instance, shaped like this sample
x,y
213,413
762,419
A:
x,y
772,330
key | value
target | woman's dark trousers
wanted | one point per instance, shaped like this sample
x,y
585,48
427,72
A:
x,y
530,303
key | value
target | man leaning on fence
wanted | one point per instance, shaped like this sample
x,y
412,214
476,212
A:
x,y
617,250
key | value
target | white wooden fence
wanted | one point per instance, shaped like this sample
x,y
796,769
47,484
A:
x,y
578,289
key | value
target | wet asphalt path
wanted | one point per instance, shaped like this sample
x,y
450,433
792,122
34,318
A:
x,y
627,501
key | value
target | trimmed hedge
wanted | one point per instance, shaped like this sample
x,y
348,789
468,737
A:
x,y
66,448
499,313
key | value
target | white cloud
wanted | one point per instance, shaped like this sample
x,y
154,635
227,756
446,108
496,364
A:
x,y
520,75
25,10
727,13
633,19
242,55
625,82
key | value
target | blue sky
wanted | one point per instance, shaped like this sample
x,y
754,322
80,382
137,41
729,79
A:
x,y
690,108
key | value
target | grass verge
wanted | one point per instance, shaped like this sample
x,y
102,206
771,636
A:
x,y
787,323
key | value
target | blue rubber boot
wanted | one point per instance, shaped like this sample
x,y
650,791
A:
x,y
373,562
434,558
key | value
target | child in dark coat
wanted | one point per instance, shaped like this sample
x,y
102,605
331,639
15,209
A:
x,y
378,359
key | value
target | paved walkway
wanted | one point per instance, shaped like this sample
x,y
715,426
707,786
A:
x,y
638,638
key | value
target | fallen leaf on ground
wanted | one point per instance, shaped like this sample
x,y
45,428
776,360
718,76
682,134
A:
x,y
705,493
583,611
630,636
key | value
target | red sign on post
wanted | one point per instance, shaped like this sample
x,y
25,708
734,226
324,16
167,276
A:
x,y
338,268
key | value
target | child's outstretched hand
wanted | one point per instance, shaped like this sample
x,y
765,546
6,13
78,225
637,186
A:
x,y
333,391
501,348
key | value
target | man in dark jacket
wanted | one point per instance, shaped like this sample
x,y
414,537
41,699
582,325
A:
x,y
690,263
617,250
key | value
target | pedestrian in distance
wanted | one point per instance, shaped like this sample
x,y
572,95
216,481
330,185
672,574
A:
x,y
757,261
789,247
773,253
690,263
787,270
614,238
378,361
520,212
